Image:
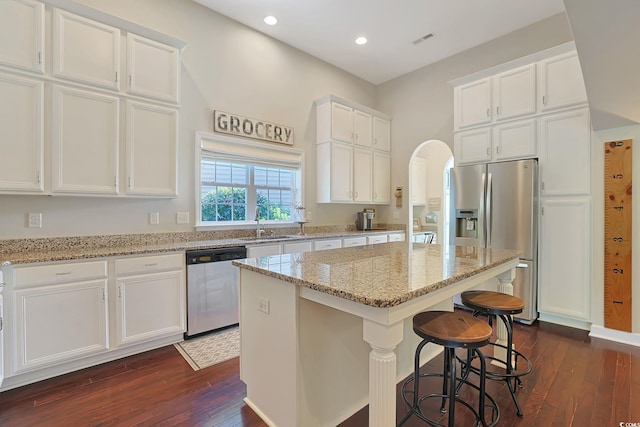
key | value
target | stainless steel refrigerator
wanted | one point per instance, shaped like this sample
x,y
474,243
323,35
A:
x,y
495,205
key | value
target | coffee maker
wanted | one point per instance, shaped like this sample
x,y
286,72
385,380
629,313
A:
x,y
364,219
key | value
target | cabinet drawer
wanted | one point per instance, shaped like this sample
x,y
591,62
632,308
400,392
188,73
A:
x,y
372,240
59,273
397,237
150,264
350,242
320,245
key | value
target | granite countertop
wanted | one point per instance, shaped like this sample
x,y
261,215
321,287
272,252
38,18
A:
x,y
73,248
382,275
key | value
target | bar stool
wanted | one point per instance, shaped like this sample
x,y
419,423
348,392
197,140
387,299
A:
x,y
502,306
451,330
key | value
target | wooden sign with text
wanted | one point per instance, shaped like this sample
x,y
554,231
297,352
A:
x,y
251,128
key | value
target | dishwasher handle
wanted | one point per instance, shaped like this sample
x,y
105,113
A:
x,y
215,255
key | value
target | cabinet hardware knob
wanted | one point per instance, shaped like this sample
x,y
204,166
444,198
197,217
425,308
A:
x,y
151,264
64,273
488,112
544,100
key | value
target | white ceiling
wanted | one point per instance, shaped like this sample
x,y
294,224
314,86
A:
x,y
327,28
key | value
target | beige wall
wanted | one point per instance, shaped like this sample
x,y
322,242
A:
x,y
225,66
230,67
421,102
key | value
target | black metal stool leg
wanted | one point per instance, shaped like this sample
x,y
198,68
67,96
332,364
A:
x,y
508,323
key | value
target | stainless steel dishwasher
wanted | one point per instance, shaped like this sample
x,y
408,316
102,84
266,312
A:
x,y
212,289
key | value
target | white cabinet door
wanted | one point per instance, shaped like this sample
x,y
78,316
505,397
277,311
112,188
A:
x,y
341,122
381,178
149,306
84,142
514,93
320,245
418,181
362,176
472,103
565,160
59,323
263,250
362,128
381,134
22,34
85,50
153,69
296,247
151,150
560,82
565,239
515,140
372,240
21,134
473,146
396,237
350,242
334,173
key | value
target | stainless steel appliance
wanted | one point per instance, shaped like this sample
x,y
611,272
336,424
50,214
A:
x,y
364,219
212,289
495,205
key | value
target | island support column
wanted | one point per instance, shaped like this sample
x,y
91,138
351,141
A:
x,y
382,371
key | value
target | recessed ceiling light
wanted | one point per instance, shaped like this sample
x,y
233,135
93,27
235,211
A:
x,y
270,20
361,40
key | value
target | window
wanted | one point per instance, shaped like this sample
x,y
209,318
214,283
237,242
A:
x,y
238,179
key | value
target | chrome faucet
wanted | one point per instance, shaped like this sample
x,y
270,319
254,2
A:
x,y
259,231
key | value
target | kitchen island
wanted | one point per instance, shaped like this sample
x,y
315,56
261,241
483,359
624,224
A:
x,y
325,333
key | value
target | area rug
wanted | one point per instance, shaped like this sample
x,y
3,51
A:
x,y
210,349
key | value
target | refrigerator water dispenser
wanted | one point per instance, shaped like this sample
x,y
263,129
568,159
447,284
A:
x,y
467,223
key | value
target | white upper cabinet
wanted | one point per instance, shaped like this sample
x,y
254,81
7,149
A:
x,y
381,178
21,134
515,140
472,146
381,134
22,34
153,69
353,144
151,150
560,82
507,95
514,93
565,160
84,142
472,102
362,128
85,51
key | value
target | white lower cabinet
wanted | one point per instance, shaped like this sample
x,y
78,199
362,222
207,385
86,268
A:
x,y
372,240
320,245
69,315
264,250
564,268
59,323
149,306
296,247
350,242
397,237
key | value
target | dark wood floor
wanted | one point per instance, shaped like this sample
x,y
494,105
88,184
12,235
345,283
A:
x,y
576,381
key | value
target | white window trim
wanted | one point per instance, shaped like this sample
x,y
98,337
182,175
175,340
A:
x,y
235,146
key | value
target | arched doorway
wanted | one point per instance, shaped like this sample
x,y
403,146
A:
x,y
428,191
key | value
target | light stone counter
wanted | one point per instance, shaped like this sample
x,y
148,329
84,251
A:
x,y
22,251
331,330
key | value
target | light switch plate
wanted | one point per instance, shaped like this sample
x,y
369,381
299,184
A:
x,y
182,218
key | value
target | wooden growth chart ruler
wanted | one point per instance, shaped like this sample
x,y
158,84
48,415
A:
x,y
617,235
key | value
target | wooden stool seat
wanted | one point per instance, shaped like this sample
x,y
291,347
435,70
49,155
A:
x,y
451,329
490,302
500,306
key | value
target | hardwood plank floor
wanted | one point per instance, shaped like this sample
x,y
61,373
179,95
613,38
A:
x,y
576,381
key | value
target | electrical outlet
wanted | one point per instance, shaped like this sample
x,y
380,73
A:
x,y
34,220
396,214
264,305
182,218
154,218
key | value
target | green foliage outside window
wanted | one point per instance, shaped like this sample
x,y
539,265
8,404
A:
x,y
229,204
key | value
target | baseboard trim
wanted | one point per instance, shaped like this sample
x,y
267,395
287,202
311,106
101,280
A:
x,y
565,321
629,338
